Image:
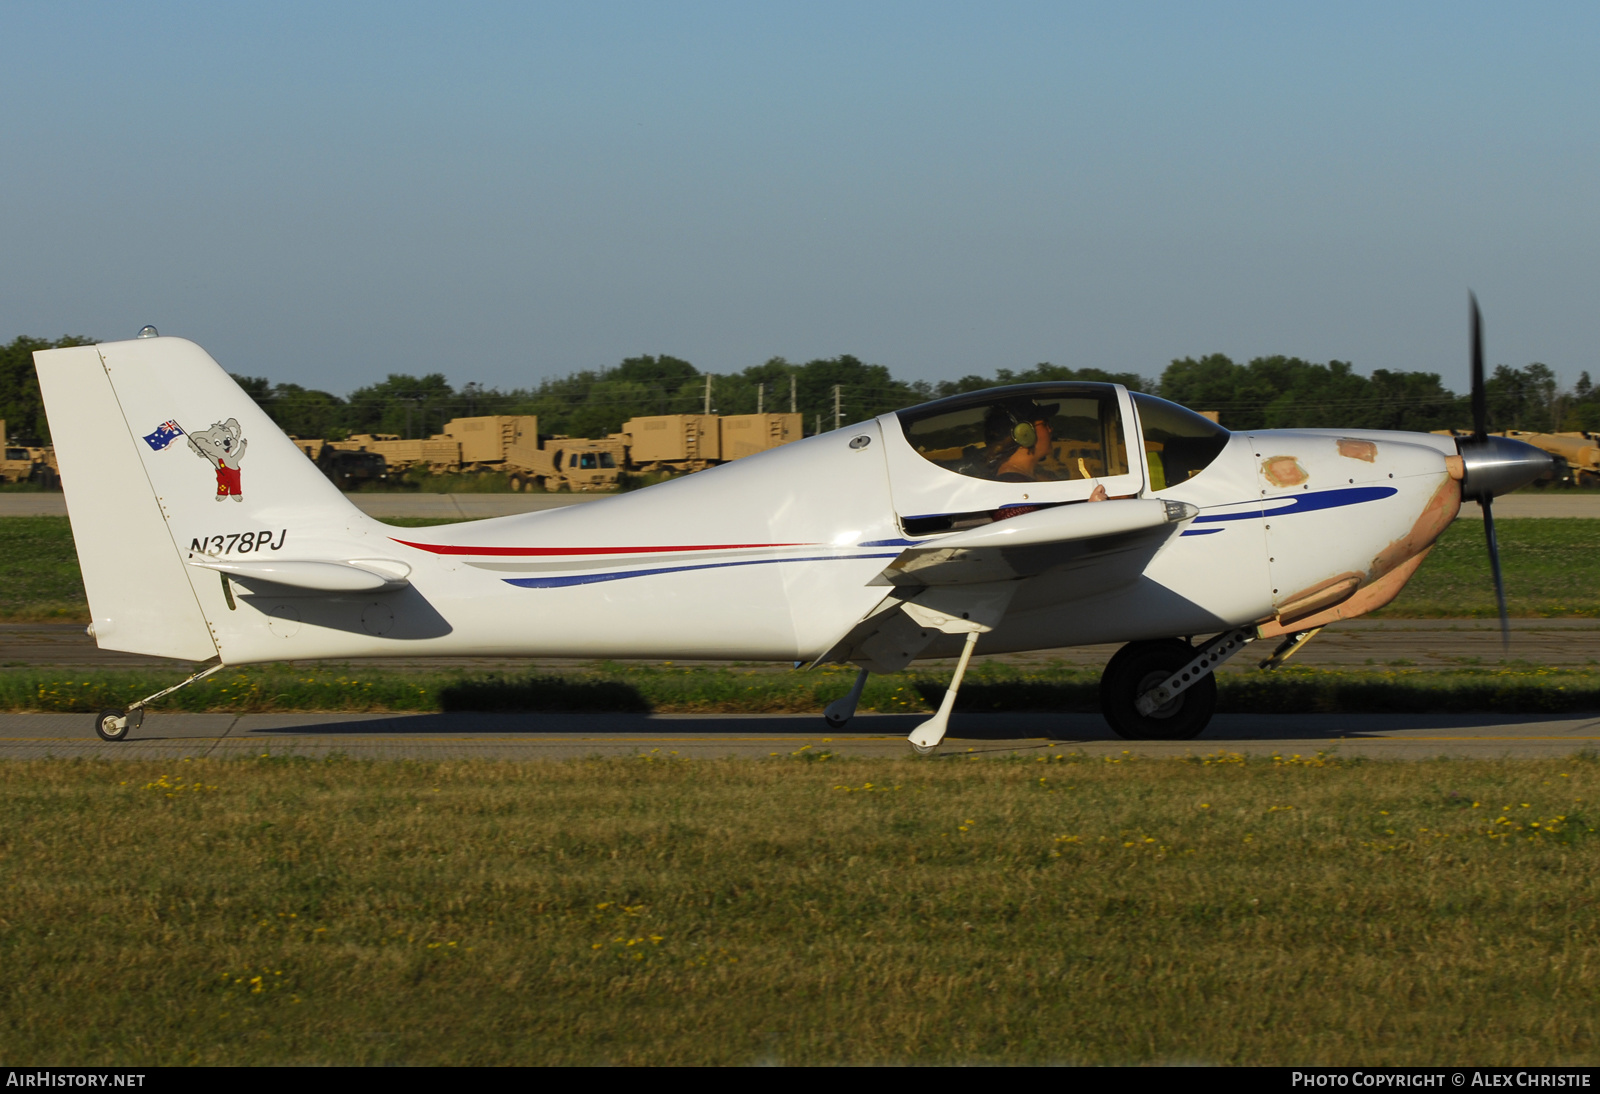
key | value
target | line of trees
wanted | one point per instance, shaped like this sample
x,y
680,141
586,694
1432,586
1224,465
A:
x,y
1264,393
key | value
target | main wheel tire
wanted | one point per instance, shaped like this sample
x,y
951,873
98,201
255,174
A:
x,y
105,724
1139,666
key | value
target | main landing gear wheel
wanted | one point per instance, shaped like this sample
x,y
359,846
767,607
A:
x,y
106,724
924,750
835,723
1140,666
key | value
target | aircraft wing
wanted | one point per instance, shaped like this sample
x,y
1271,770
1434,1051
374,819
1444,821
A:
x,y
965,581
1031,543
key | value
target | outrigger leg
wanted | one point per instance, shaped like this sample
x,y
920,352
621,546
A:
x,y
926,737
840,711
114,725
1289,647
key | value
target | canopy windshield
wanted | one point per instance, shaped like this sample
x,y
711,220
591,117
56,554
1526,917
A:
x,y
1178,443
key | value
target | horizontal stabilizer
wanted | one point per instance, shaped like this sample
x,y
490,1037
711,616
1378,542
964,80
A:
x,y
365,575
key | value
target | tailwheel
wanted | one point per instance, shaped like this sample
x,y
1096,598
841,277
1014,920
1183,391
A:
x,y
112,725
1140,666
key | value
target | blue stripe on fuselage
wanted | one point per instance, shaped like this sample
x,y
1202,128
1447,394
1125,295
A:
x,y
1306,503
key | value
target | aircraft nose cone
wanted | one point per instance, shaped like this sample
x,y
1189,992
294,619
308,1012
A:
x,y
1499,465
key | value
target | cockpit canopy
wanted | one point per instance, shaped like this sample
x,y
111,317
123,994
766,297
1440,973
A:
x,y
1025,433
1059,433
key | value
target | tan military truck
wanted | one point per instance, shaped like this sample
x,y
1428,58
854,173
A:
x,y
27,464
1580,450
18,465
511,443
746,434
576,464
673,442
440,455
485,439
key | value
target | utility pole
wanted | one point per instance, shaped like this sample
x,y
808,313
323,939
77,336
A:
x,y
708,393
761,398
837,406
792,409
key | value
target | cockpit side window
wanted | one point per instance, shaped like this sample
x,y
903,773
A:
x,y
1037,437
1178,443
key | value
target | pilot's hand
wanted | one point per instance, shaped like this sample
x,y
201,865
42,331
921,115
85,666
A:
x,y
1099,492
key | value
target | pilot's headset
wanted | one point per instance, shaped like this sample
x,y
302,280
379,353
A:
x,y
1022,432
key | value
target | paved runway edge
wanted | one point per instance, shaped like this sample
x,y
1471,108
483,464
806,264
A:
x,y
576,736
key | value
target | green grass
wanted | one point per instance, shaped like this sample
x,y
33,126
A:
x,y
663,689
650,911
39,577
1552,569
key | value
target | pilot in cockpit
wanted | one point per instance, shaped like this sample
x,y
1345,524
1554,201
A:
x,y
1017,440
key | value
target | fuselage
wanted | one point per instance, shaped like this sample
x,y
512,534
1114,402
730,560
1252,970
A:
x,y
1035,516
775,557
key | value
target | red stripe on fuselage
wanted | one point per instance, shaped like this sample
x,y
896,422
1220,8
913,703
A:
x,y
448,549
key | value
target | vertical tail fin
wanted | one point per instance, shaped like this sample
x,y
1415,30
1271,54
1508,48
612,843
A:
x,y
161,453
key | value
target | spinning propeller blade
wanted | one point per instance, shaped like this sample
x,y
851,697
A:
x,y
1480,435
1494,567
1480,399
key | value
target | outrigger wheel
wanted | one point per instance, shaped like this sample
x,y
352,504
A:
x,y
1140,666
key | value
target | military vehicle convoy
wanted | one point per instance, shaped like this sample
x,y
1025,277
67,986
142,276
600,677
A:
x,y
663,444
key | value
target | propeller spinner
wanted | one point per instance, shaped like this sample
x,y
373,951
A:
x,y
1494,466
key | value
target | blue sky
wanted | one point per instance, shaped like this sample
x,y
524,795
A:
x,y
328,193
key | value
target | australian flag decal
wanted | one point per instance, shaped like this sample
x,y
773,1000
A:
x,y
165,434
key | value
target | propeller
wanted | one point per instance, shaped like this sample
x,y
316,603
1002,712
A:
x,y
1494,465
1480,434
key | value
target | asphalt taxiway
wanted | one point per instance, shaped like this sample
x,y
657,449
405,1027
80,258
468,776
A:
x,y
576,736
1361,643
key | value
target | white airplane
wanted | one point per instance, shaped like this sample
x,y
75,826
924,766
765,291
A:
x,y
1026,517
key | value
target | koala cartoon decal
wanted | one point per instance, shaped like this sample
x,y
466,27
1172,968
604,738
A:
x,y
222,445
